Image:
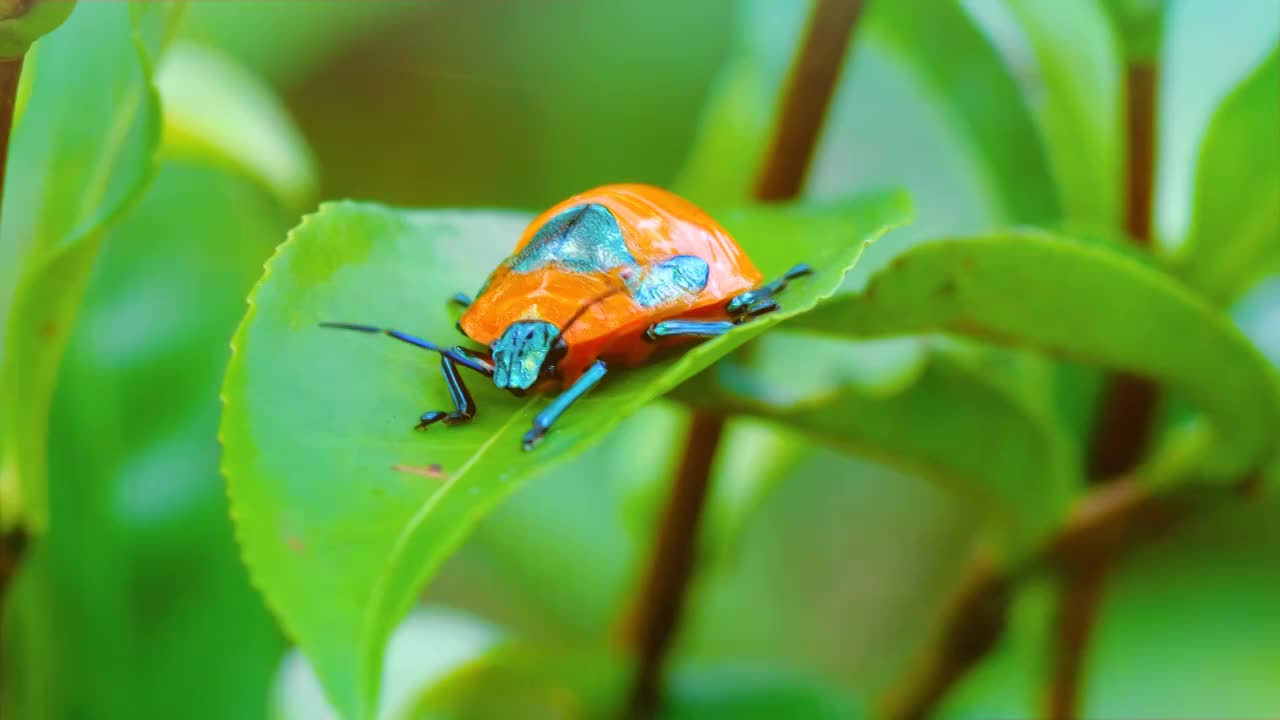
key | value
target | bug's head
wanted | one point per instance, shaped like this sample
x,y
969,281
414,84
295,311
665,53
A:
x,y
526,352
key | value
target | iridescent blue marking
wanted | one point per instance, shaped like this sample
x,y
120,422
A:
x,y
584,239
518,355
670,280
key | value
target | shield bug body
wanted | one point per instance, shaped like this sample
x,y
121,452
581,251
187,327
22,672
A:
x,y
600,280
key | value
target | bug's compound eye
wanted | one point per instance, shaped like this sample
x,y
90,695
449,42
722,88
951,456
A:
x,y
557,352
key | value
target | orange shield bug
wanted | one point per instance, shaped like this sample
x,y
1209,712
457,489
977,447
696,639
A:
x,y
600,280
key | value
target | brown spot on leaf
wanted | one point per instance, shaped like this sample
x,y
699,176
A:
x,y
433,471
295,544
49,329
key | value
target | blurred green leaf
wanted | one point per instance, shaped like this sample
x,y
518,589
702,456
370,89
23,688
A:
x,y
1140,25
837,575
528,682
1235,227
597,508
1067,60
1207,51
754,693
735,127
80,157
940,49
336,527
217,111
250,31
456,105
941,45
425,651
1080,301
1205,596
950,420
134,486
22,22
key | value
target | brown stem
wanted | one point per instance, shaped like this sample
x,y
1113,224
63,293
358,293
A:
x,y
970,629
12,542
654,622
1125,420
809,89
10,72
656,614
1107,522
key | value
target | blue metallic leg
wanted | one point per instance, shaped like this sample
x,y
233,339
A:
x,y
687,328
461,300
761,300
464,408
552,412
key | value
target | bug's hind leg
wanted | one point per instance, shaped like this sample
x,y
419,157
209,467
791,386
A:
x,y
464,407
763,299
461,300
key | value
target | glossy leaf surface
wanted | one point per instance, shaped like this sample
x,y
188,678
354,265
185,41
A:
x,y
342,510
1081,301
950,418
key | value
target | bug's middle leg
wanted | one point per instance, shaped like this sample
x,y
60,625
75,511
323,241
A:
x,y
464,407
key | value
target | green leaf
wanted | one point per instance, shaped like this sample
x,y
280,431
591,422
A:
x,y
134,490
1067,60
1225,614
1085,302
949,418
22,22
1235,227
1140,25
513,564
934,46
944,49
528,681
215,110
81,156
535,682
426,651
837,574
1207,51
339,525
250,32
732,692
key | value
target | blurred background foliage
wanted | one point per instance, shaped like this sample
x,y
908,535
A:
x,y
823,574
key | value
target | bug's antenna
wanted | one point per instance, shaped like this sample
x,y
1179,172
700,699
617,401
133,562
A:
x,y
401,336
460,355
588,305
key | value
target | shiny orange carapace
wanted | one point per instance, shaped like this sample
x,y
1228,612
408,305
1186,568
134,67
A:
x,y
596,253
603,278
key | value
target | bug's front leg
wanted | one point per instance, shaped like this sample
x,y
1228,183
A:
x,y
464,407
687,328
545,419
